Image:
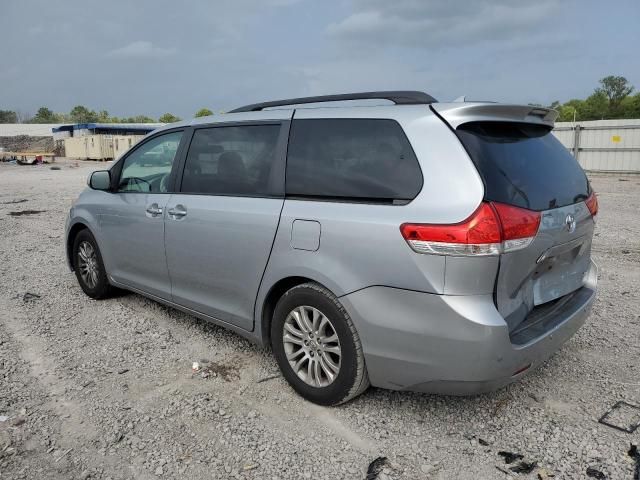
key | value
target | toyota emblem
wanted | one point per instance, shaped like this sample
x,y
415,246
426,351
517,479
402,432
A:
x,y
570,223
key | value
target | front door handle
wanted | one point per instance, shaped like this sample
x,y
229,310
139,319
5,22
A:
x,y
177,212
154,210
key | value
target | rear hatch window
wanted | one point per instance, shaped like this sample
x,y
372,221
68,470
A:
x,y
524,165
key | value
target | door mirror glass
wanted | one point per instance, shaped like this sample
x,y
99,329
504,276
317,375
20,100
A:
x,y
100,180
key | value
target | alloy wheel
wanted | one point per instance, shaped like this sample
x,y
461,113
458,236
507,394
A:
x,y
312,346
88,264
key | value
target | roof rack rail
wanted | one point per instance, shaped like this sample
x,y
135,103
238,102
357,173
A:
x,y
398,97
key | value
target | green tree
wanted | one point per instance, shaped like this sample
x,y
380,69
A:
x,y
45,115
571,110
630,106
615,89
168,118
103,117
139,119
8,116
567,113
203,112
595,107
81,114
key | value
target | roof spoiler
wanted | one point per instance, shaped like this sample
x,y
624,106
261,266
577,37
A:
x,y
455,114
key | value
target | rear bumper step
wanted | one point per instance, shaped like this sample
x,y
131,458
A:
x,y
546,317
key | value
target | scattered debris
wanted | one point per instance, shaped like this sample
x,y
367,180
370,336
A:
x,y
54,168
535,397
635,454
544,474
214,369
22,200
70,317
376,467
595,473
524,467
26,212
483,442
622,416
3,418
63,455
506,472
510,457
500,405
124,370
29,297
246,468
269,377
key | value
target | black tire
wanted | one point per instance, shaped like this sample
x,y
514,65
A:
x,y
102,288
352,378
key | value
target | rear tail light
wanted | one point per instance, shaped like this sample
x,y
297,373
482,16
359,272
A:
x,y
592,204
494,228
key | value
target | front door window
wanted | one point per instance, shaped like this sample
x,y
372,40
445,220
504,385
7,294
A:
x,y
147,169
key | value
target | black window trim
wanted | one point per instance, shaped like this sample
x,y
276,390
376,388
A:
x,y
277,182
116,169
357,200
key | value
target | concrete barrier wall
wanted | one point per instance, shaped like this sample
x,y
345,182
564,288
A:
x,y
31,129
603,145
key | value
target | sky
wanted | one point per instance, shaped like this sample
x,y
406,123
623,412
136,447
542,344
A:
x,y
151,57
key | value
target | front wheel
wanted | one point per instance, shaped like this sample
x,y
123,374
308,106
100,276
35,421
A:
x,y
317,346
89,267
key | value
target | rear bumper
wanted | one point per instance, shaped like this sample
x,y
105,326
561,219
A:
x,y
457,345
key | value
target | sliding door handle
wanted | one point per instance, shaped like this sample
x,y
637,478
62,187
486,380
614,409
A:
x,y
177,212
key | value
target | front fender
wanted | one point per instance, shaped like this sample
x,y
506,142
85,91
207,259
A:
x,y
81,215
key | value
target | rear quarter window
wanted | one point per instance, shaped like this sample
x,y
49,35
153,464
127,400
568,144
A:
x,y
351,159
524,165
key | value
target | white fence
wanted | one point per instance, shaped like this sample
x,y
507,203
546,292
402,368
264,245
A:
x,y
603,145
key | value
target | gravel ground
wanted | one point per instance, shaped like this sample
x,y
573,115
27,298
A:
x,y
104,389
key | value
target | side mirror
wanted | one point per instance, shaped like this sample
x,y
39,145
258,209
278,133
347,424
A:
x,y
100,180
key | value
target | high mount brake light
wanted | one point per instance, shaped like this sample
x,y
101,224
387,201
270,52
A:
x,y
592,204
494,228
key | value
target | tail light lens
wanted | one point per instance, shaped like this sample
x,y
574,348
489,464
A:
x,y
494,228
592,204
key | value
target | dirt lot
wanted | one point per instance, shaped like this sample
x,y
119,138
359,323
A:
x,y
104,389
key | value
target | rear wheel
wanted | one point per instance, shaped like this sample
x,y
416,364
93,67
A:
x,y
317,346
88,266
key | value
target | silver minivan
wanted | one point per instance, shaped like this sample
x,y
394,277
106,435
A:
x,y
409,244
